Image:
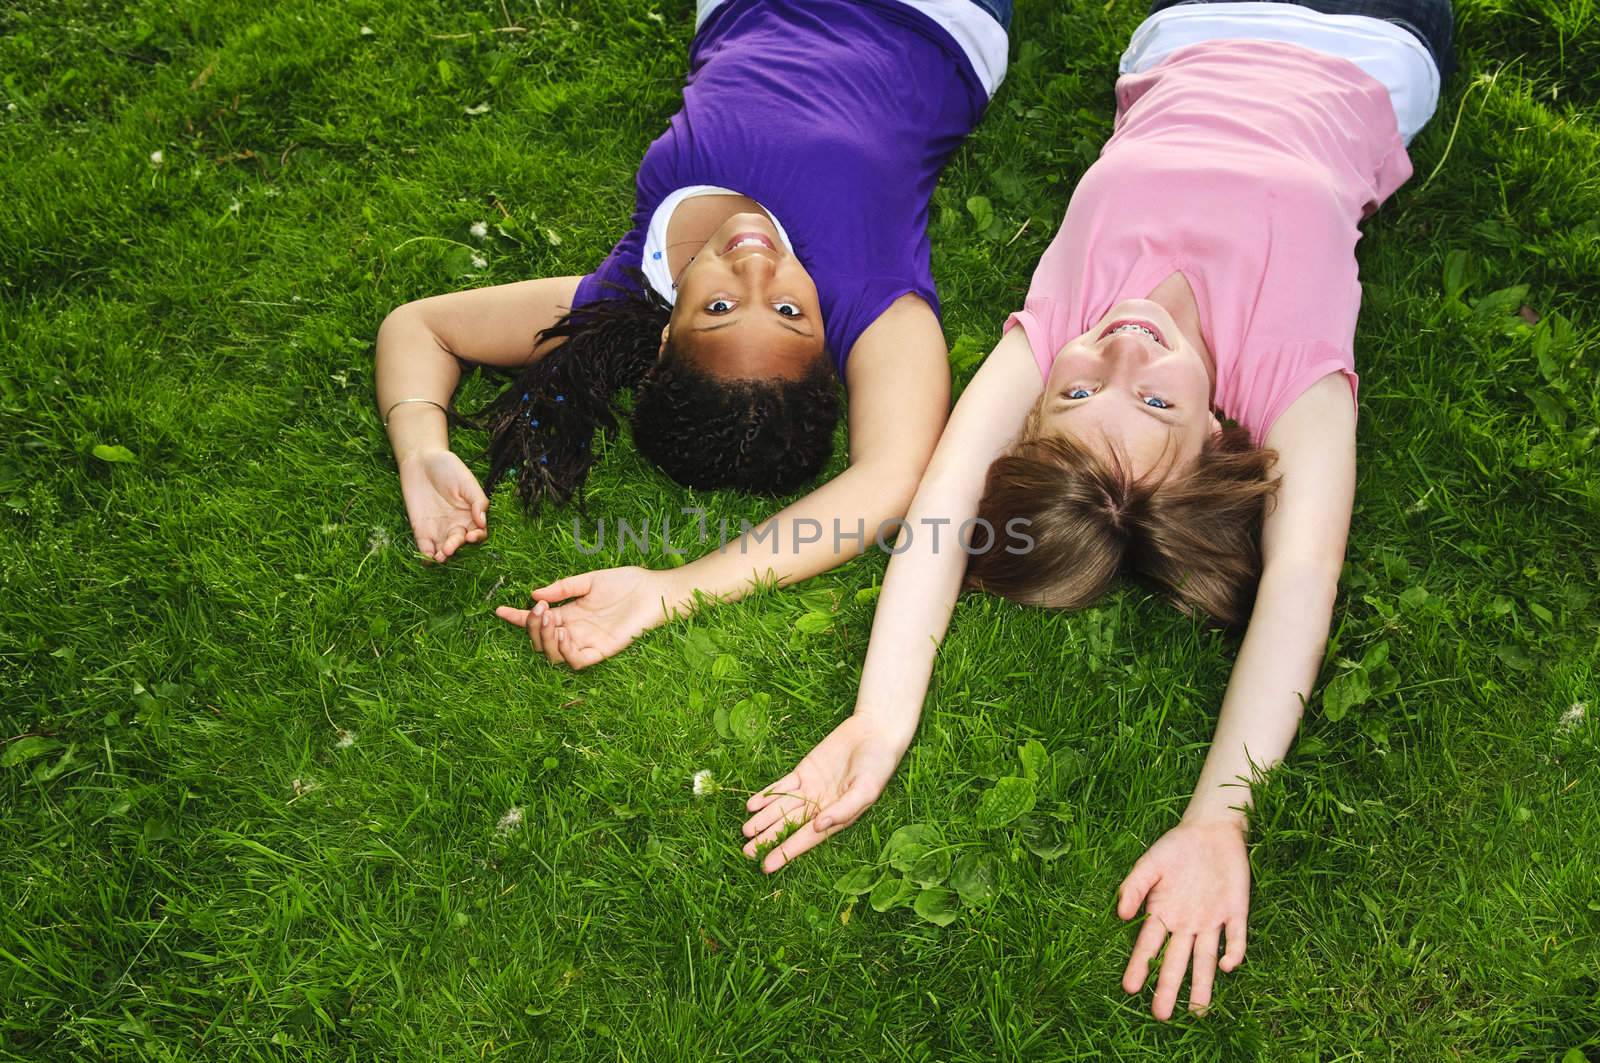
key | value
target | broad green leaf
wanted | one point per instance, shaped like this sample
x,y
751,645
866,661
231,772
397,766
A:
x,y
1549,407
813,623
1046,836
931,870
868,594
1035,761
720,720
911,843
1345,692
890,892
858,881
25,749
117,454
1010,798
937,906
974,880
748,719
819,601
982,212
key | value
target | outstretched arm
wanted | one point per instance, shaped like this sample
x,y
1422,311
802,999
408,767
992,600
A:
x,y
899,380
420,349
838,780
1194,882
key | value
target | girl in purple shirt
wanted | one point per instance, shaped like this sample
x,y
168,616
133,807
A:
x,y
778,245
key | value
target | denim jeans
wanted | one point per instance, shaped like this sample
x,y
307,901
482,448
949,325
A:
x,y
1431,21
1000,9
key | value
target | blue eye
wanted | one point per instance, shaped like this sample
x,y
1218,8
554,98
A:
x,y
1079,393
1160,404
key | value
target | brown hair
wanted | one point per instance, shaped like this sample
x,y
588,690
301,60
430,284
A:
x,y
1195,535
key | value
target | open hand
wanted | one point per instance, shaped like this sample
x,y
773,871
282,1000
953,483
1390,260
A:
x,y
826,792
1194,883
603,611
444,502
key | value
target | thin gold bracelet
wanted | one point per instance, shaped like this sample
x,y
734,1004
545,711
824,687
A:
x,y
402,402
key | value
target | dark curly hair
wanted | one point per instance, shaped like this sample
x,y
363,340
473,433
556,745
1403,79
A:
x,y
766,436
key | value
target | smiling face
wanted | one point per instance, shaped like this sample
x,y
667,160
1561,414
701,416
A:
x,y
1134,383
746,307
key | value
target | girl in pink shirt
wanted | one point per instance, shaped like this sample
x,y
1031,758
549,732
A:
x,y
1175,401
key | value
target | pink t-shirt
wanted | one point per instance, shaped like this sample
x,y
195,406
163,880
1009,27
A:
x,y
1246,166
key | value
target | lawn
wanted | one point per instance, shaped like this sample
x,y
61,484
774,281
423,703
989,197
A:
x,y
272,787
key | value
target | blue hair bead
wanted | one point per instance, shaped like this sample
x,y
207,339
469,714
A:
x,y
561,398
544,459
524,396
533,420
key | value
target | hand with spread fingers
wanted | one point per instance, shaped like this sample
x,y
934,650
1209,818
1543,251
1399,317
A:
x,y
826,792
598,615
1194,884
446,506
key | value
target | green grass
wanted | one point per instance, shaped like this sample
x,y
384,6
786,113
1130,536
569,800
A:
x,y
193,865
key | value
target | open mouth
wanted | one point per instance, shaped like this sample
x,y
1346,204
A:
x,y
1142,327
748,240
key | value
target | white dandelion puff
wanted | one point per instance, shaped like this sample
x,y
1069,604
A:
x,y
1573,716
479,262
157,158
367,31
378,540
345,740
510,822
301,787
12,108
479,230
704,782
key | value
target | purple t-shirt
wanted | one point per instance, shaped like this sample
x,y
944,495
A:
x,y
834,115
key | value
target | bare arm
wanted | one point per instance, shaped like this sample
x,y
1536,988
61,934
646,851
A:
x,y
899,381
420,349
839,779
1195,880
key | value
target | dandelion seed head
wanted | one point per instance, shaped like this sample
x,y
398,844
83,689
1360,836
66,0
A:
x,y
511,821
367,31
301,787
157,158
1575,715
704,782
479,262
378,540
346,739
479,230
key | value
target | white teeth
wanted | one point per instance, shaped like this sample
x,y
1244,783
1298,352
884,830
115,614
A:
x,y
751,242
1131,327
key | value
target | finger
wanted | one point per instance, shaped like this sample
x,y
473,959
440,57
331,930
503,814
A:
x,y
805,838
1205,970
1233,955
771,793
757,826
552,645
425,544
848,808
1145,947
571,587
519,617
1173,964
535,632
457,535
1131,894
476,535
480,507
577,657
